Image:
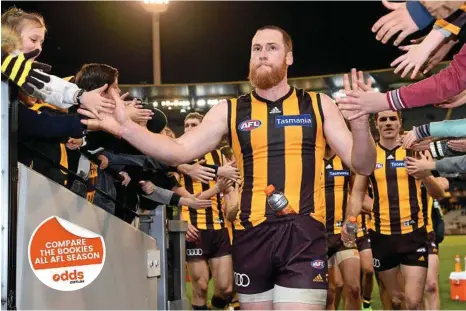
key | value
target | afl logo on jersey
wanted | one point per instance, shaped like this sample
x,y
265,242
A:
x,y
249,125
378,165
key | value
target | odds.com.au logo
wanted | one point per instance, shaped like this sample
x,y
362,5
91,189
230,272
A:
x,y
72,277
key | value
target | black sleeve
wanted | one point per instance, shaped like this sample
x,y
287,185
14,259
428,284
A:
x,y
44,125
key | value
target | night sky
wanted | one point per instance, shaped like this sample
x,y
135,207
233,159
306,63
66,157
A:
x,y
208,41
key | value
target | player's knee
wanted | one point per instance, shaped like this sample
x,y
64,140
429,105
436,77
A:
x,y
414,303
201,285
431,287
369,275
353,290
226,290
368,269
338,284
397,300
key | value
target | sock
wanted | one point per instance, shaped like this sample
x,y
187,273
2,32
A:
x,y
204,307
366,302
219,303
235,303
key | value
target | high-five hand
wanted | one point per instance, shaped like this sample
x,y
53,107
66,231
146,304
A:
x,y
110,122
356,87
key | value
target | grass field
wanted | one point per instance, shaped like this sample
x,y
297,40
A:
x,y
451,246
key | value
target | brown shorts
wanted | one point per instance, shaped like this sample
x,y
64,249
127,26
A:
x,y
390,251
335,245
363,243
290,254
211,244
432,247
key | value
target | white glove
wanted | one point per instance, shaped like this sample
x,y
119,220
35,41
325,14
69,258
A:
x,y
57,92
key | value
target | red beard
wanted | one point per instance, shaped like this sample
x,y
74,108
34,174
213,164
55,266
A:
x,y
266,81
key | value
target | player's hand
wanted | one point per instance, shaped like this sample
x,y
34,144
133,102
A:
x,y
397,20
195,203
199,172
356,84
454,101
229,171
125,178
345,237
415,57
147,186
457,145
74,143
192,235
359,99
103,161
111,122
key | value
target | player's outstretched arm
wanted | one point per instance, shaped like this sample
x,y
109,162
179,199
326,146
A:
x,y
193,144
196,143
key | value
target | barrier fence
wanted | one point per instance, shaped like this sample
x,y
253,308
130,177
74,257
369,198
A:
x,y
129,267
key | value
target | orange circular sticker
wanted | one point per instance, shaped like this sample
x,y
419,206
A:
x,y
65,256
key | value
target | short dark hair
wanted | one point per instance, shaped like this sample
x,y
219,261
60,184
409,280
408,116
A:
x,y
93,76
286,37
194,115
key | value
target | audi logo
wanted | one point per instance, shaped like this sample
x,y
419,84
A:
x,y
194,252
376,263
242,280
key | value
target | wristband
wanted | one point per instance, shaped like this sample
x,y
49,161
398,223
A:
x,y
440,149
422,131
175,199
78,97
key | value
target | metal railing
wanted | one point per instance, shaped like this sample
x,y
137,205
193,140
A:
x,y
8,194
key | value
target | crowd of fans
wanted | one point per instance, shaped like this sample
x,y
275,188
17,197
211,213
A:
x,y
54,142
50,124
112,174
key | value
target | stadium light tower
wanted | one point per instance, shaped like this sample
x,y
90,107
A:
x,y
156,7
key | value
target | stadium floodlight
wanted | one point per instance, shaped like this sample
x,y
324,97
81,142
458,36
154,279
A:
x,y
155,7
